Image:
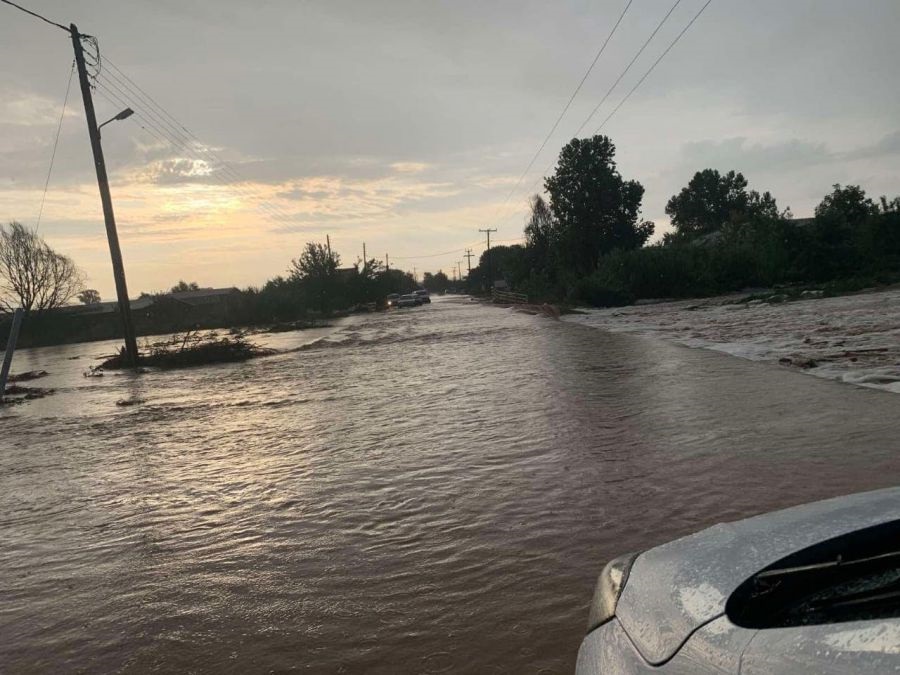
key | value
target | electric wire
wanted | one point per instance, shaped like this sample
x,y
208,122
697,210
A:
x,y
569,102
193,146
62,114
608,92
655,63
627,68
36,15
638,84
160,135
149,100
167,137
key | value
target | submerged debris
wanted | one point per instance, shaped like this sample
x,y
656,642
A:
x,y
189,349
28,375
16,393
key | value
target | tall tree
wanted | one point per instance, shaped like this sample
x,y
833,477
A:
x,y
595,208
316,262
847,204
436,283
32,275
708,202
539,231
316,273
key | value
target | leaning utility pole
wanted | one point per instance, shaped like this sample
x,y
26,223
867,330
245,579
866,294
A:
x,y
131,351
490,272
469,255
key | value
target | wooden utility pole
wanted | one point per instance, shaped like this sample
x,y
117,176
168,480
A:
x,y
328,244
490,272
365,260
131,351
469,255
387,262
10,348
459,269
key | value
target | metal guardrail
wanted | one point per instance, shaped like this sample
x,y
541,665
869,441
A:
x,y
508,297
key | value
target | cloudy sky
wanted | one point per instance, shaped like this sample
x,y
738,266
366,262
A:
x,y
407,124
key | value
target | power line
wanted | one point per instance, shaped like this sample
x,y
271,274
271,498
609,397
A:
x,y
569,103
607,94
655,63
435,255
150,123
167,125
628,67
36,15
624,72
55,144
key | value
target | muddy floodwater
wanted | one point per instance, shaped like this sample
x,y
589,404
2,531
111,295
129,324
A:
x,y
423,491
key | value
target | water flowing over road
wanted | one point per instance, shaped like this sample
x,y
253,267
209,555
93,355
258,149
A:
x,y
431,490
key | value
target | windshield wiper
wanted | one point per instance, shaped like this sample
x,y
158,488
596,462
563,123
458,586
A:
x,y
829,565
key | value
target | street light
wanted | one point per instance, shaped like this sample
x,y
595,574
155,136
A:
x,y
125,114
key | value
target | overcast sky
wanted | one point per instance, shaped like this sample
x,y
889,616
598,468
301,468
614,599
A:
x,y
405,124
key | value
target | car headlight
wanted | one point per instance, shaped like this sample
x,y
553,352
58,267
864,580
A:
x,y
608,589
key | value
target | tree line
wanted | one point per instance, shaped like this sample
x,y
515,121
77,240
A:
x,y
315,286
587,242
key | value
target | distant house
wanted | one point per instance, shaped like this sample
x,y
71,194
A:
x,y
205,296
110,307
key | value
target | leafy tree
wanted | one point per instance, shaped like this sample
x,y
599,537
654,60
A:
x,y
32,275
316,273
595,208
539,232
316,262
708,202
89,296
889,206
183,286
435,283
711,200
847,204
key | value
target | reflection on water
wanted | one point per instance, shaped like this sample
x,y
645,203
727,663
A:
x,y
431,490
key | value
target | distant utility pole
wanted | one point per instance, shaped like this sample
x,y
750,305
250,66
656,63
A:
x,y
489,270
131,351
459,269
415,277
328,244
387,262
365,260
469,255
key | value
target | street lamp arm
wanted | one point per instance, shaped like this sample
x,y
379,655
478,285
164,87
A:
x,y
128,112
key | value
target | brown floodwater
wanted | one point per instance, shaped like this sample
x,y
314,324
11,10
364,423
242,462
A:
x,y
423,491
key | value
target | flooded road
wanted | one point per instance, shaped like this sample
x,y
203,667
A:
x,y
424,491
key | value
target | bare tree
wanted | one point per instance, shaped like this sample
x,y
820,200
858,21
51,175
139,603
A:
x,y
32,275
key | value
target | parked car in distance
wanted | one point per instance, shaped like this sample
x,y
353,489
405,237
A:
x,y
408,300
392,299
423,295
810,589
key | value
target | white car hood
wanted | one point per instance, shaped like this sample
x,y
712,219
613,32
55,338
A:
x,y
676,588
